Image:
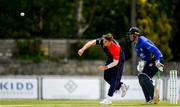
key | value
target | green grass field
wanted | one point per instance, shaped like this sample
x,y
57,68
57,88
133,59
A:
x,y
79,103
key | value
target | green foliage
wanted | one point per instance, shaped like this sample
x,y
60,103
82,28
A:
x,y
176,30
58,19
29,50
94,52
156,25
109,16
43,18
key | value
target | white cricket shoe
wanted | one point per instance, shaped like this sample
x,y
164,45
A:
x,y
149,102
105,102
124,89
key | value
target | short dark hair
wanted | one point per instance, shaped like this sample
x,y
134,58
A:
x,y
108,36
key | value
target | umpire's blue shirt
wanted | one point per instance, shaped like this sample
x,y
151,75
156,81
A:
x,y
146,49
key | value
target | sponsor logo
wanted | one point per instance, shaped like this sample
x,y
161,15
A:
x,y
70,86
16,86
17,89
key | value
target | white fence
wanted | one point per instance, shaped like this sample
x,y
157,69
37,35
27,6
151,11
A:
x,y
70,87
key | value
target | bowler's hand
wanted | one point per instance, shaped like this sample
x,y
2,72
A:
x,y
102,68
81,51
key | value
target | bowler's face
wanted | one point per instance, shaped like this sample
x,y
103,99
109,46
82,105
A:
x,y
106,42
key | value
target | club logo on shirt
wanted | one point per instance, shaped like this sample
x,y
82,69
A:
x,y
151,64
142,55
141,49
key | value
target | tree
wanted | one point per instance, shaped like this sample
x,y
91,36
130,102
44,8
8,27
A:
x,y
175,41
156,25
